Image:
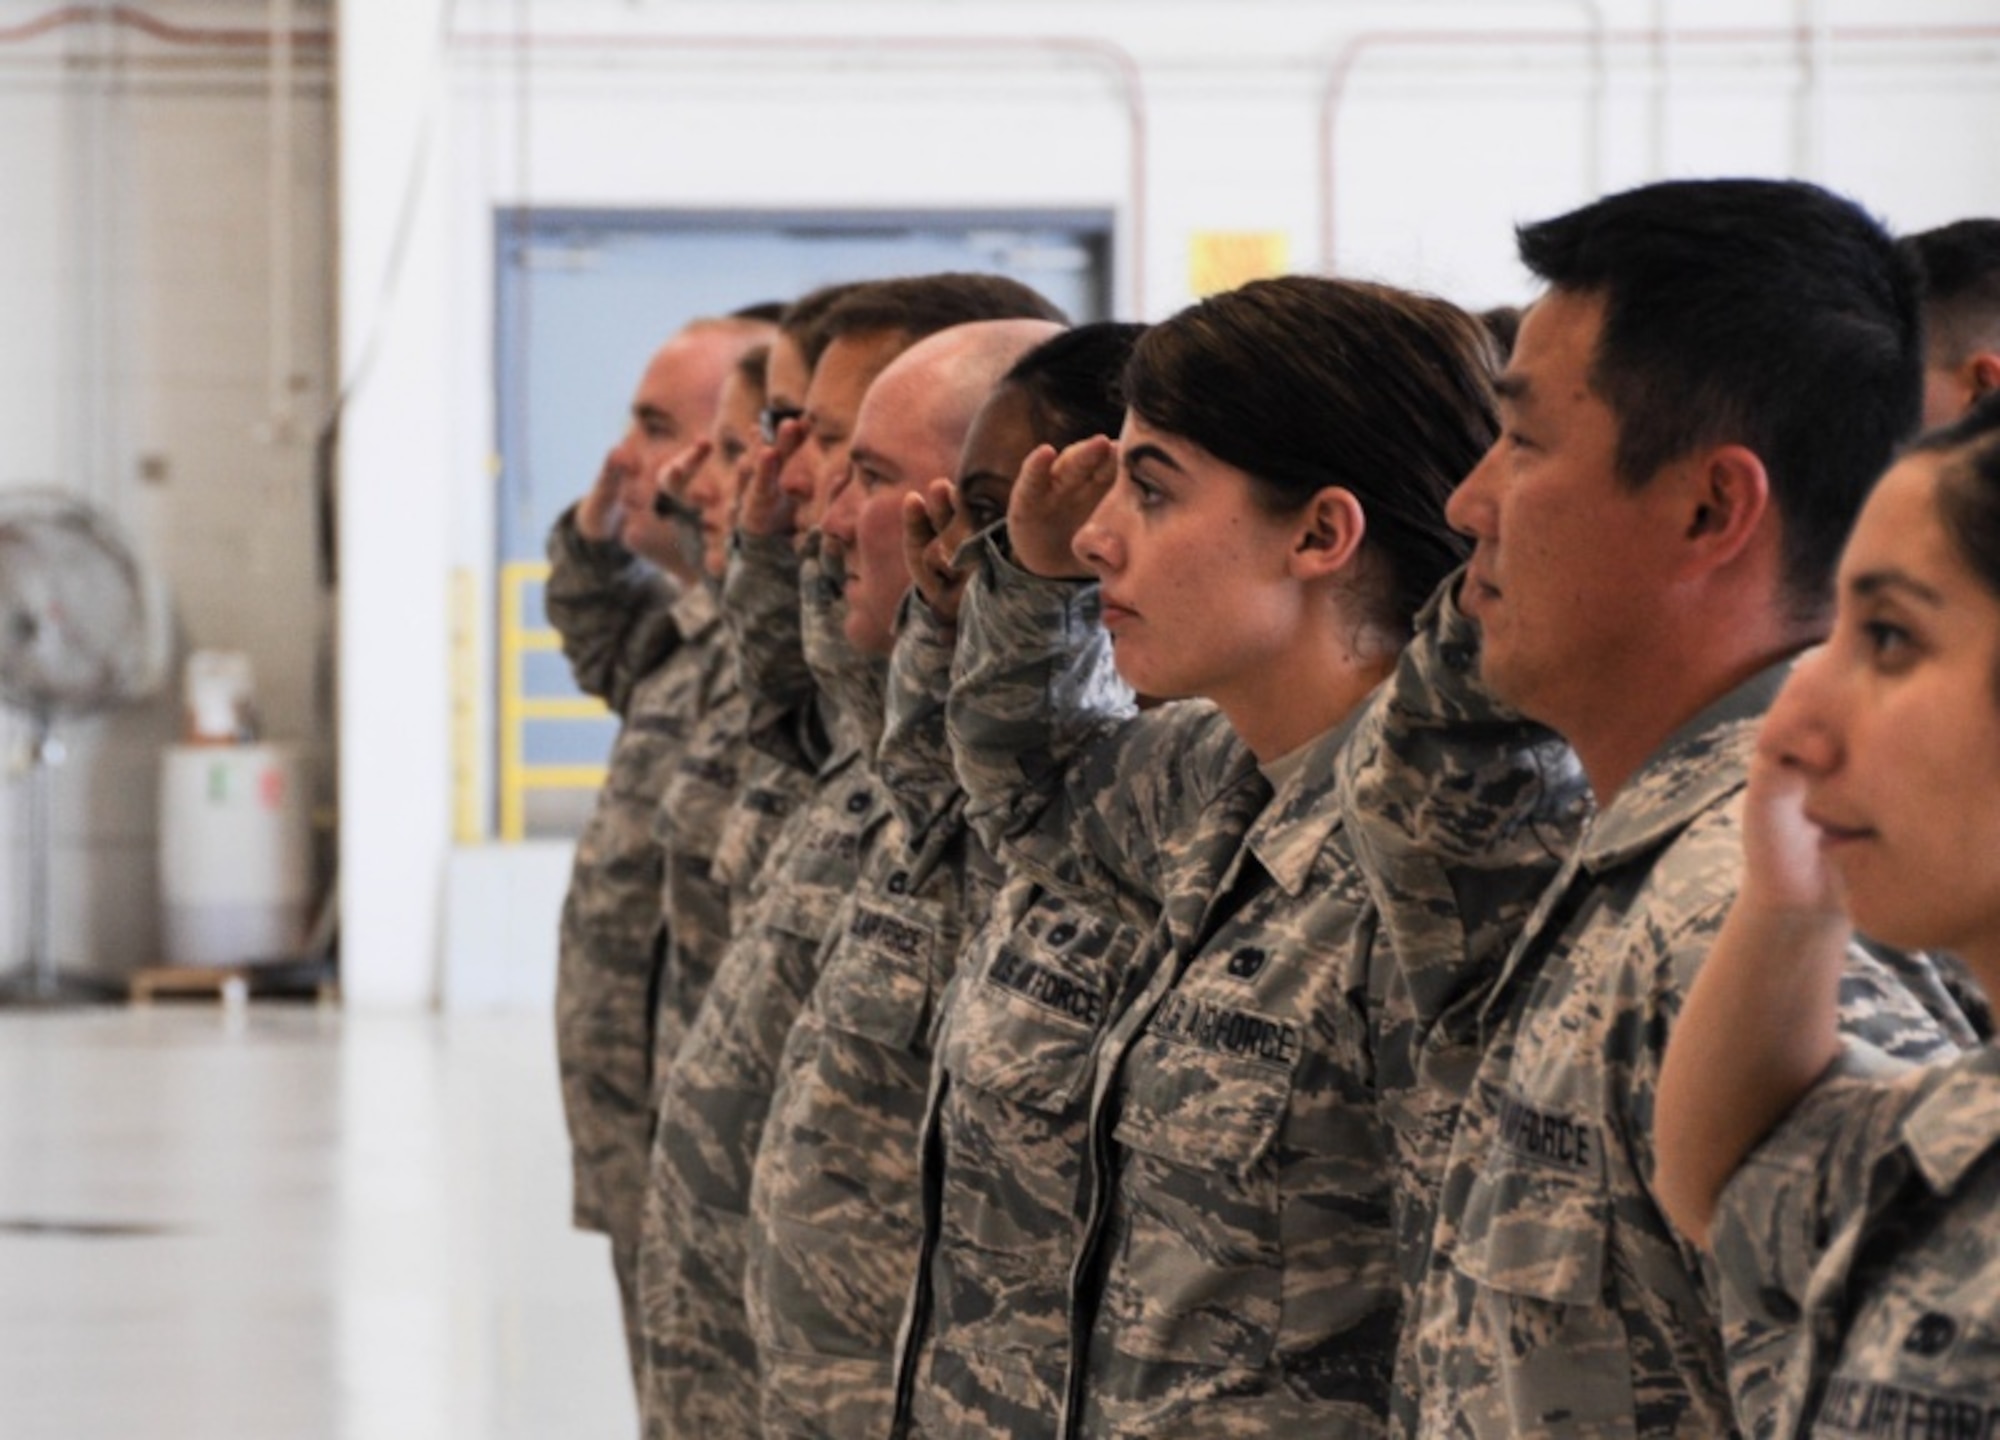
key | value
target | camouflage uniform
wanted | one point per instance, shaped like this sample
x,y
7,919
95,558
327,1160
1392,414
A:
x,y
1866,1221
1558,1300
699,793
1235,1272
702,1379
987,1339
641,644
1460,812
719,816
834,1204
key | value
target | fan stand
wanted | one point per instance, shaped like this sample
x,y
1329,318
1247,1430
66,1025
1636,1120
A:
x,y
38,984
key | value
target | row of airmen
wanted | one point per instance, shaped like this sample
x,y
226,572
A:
x,y
1147,872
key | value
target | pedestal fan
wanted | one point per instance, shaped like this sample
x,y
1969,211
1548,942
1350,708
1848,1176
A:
x,y
79,632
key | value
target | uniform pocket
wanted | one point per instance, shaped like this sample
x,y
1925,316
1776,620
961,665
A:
x,y
878,979
1197,1278
1027,1016
1534,1244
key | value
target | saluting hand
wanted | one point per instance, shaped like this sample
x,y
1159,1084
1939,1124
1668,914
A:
x,y
1785,869
599,515
765,508
1053,496
931,535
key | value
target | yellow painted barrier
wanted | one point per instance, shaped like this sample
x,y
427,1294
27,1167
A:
x,y
518,709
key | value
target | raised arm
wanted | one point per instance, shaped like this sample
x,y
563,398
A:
x,y
1062,773
613,610
1461,812
760,598
1761,1021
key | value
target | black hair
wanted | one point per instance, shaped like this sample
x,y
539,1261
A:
x,y
1072,381
1969,485
1959,268
1305,383
1765,313
1503,323
920,305
768,312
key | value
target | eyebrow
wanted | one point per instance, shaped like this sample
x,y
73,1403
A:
x,y
1152,453
874,460
1876,582
1513,386
653,415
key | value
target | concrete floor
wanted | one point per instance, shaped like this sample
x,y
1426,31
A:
x,y
285,1223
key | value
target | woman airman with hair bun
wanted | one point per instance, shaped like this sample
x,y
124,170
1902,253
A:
x,y
1258,544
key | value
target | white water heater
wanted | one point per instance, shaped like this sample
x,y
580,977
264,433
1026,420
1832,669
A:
x,y
234,846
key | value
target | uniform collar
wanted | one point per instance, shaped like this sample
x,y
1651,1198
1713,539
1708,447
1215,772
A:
x,y
1958,1123
1701,765
1292,831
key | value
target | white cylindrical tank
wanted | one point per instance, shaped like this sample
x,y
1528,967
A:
x,y
233,853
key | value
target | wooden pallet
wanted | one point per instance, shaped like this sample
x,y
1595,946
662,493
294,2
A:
x,y
231,984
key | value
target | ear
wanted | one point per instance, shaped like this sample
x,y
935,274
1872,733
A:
x,y
1328,534
1727,494
1982,372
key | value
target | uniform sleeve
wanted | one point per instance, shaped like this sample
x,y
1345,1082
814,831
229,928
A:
x,y
1062,774
760,597
1797,1190
614,612
1460,812
914,759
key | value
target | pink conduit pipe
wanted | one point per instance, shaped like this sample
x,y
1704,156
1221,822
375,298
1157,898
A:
x,y
1102,52
130,17
1333,94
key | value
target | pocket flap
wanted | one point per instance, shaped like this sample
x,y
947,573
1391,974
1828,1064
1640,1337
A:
x,y
1200,1109
877,980
1536,1218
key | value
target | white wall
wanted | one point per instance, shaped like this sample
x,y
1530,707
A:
x,y
138,368
135,307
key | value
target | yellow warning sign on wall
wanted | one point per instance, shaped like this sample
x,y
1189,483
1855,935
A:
x,y
1223,259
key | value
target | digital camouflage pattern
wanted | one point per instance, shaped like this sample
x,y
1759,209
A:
x,y
644,647
701,787
1559,1301
702,1374
768,793
835,1217
988,1335
988,1340
761,591
833,1234
1460,813
914,757
1869,1213
1236,1262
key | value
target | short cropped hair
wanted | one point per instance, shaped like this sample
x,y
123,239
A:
x,y
921,305
1959,267
1072,382
804,320
1766,313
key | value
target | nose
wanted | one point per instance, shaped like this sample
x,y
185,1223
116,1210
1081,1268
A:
x,y
1802,728
842,506
801,471
1469,509
705,486
1097,542
626,453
